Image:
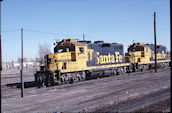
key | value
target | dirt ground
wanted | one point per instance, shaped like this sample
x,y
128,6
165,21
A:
x,y
61,97
13,76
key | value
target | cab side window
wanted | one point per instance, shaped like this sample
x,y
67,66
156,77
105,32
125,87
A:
x,y
81,50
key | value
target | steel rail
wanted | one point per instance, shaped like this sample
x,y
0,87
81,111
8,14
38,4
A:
x,y
112,97
140,102
67,85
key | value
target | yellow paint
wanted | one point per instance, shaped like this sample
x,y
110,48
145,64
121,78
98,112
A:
x,y
143,57
59,59
75,61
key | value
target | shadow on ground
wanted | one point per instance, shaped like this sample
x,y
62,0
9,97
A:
x,y
26,84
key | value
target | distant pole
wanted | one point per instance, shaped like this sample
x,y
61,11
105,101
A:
x,y
83,37
0,51
21,70
155,41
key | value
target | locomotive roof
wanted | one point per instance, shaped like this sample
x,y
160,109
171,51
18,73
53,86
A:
x,y
100,43
78,44
68,42
104,44
145,45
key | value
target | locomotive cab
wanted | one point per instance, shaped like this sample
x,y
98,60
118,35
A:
x,y
136,53
69,56
66,53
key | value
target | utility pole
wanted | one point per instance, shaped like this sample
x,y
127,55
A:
x,y
21,69
155,41
0,51
83,37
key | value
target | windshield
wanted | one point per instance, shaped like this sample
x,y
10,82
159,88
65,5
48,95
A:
x,y
137,48
65,49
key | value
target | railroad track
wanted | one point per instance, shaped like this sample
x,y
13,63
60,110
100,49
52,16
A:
x,y
61,97
123,96
134,106
10,85
31,91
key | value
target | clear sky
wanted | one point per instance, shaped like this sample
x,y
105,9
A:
x,y
120,21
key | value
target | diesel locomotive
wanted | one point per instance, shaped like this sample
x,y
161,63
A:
x,y
82,60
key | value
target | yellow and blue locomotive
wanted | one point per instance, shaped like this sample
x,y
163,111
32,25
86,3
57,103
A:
x,y
142,56
80,60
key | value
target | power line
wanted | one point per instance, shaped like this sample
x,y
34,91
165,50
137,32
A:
x,y
42,32
12,30
29,30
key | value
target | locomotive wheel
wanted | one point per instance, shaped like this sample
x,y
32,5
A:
x,y
40,80
47,81
140,68
120,71
167,64
66,80
114,72
88,75
71,80
75,79
163,65
83,77
143,68
79,78
61,80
